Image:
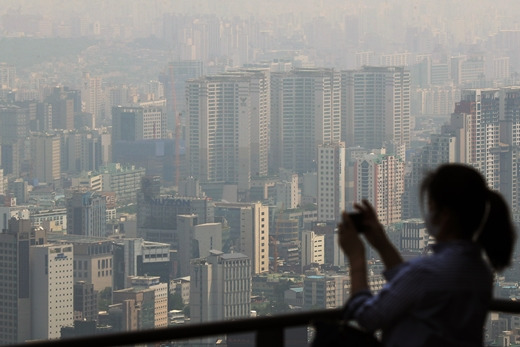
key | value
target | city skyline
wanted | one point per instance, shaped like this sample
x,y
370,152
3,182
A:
x,y
168,162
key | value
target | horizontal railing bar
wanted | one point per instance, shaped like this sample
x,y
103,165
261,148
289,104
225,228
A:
x,y
223,328
195,330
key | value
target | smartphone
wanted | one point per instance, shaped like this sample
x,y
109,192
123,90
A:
x,y
357,220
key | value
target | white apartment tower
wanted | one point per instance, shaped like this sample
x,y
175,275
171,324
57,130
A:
x,y
331,181
489,130
380,180
376,107
287,191
227,127
483,141
52,290
305,113
92,96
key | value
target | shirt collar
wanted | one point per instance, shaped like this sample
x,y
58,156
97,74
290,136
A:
x,y
441,247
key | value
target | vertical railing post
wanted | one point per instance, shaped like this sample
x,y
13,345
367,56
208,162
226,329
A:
x,y
273,337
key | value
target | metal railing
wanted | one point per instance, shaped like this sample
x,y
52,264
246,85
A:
x,y
269,330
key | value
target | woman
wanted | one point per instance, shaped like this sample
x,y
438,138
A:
x,y
442,299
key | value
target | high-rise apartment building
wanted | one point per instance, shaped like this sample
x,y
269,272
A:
x,y
305,113
376,108
92,96
249,231
487,128
174,81
7,76
15,286
379,178
52,291
331,181
483,109
227,127
441,149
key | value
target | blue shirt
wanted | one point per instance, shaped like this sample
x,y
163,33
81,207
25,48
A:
x,y
438,300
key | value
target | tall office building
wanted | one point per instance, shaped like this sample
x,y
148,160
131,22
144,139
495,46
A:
x,y
305,113
147,121
195,240
15,301
85,150
85,301
313,248
249,232
86,214
46,158
93,258
52,292
331,181
160,295
62,108
380,180
324,291
220,287
227,125
142,306
137,257
376,108
157,214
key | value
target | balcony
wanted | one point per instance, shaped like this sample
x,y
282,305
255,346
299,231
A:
x,y
269,331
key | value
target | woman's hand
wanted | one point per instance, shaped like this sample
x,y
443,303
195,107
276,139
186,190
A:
x,y
349,239
376,235
372,229
355,250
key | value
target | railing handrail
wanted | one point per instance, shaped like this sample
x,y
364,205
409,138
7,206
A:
x,y
257,324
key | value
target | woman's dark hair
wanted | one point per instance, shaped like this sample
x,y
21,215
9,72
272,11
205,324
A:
x,y
481,214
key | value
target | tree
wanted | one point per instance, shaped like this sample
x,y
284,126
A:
x,y
104,299
175,302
